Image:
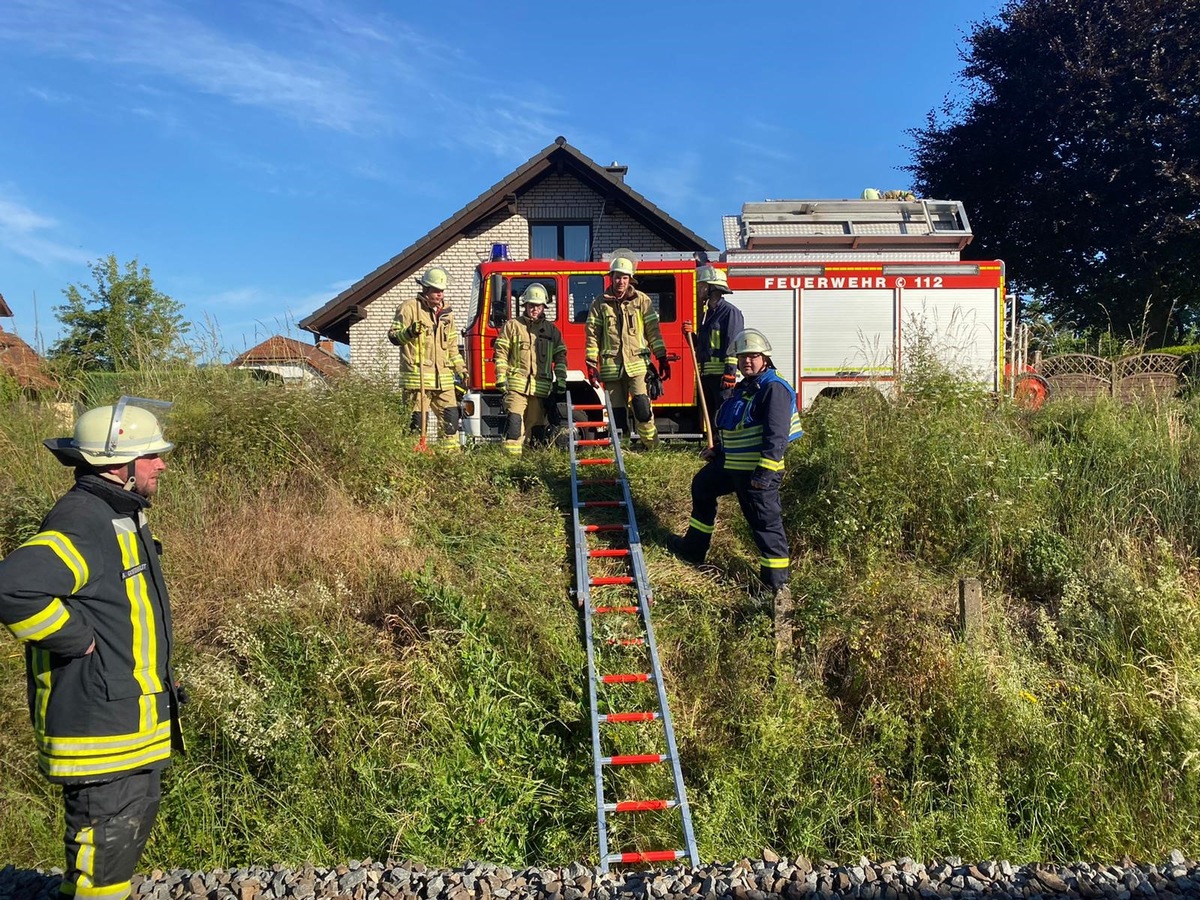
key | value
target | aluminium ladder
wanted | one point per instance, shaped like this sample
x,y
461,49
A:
x,y
625,547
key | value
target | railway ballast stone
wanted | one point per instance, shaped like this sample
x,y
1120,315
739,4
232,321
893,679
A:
x,y
773,877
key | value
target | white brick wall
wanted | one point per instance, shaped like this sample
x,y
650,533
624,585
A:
x,y
557,197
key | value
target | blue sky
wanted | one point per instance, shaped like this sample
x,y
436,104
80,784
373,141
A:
x,y
262,155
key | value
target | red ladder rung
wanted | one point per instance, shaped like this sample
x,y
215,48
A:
x,y
626,642
611,579
602,423
635,759
650,856
589,407
594,442
601,610
596,461
609,527
633,806
614,718
601,503
615,551
625,678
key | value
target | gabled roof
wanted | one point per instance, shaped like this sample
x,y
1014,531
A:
x,y
333,319
4,310
279,349
20,361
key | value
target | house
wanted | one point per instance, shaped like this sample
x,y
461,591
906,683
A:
x,y
19,361
558,205
292,362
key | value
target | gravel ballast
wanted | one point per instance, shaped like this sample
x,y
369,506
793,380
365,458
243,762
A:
x,y
767,878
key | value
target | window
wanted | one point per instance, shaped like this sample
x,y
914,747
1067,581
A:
x,y
661,290
583,289
560,240
503,309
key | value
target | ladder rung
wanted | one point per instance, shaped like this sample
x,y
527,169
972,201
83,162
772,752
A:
x,y
636,759
625,678
611,579
596,461
603,423
612,526
626,642
601,610
604,503
584,482
615,551
589,407
650,856
632,806
593,442
614,718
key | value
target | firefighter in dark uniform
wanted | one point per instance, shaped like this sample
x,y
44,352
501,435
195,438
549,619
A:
x,y
86,597
754,427
722,321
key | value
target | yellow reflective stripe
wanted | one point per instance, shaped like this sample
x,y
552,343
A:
x,y
40,661
85,857
64,550
118,891
141,618
43,624
771,465
98,745
121,762
773,562
700,526
733,464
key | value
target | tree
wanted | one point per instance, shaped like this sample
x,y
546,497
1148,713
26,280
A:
x,y
1076,150
121,322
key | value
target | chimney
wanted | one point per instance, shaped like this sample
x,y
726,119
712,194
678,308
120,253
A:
x,y
616,171
325,346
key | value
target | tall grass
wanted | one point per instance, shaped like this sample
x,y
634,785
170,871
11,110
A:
x,y
383,656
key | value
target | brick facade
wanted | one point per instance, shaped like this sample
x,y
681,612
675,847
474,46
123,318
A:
x,y
555,198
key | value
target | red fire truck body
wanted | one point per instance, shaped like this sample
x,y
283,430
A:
x,y
849,293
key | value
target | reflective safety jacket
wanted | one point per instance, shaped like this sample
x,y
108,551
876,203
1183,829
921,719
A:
x,y
432,360
722,323
758,422
92,573
622,333
530,356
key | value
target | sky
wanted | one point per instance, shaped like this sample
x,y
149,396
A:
x,y
261,156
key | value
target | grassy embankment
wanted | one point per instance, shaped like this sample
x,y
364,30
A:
x,y
383,659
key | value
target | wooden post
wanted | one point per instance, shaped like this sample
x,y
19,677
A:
x,y
970,605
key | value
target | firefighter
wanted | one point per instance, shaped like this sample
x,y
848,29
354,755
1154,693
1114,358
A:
x,y
86,597
754,427
622,334
531,368
722,320
424,330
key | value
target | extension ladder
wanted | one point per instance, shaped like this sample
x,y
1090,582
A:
x,y
619,532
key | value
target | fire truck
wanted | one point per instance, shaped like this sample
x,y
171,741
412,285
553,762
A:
x,y
851,293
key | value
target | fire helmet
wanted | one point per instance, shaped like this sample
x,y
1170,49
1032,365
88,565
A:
x,y
112,435
751,340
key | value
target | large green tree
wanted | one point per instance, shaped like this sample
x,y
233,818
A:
x,y
1076,149
120,321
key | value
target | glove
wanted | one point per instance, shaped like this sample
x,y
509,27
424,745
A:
x,y
502,384
416,329
558,390
729,379
396,335
181,694
664,369
688,328
593,374
460,386
765,479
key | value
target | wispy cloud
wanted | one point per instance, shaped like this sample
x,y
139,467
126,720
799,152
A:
x,y
156,39
31,235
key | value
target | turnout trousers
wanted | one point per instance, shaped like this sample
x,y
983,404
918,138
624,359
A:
x,y
444,405
763,512
631,390
108,824
525,413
